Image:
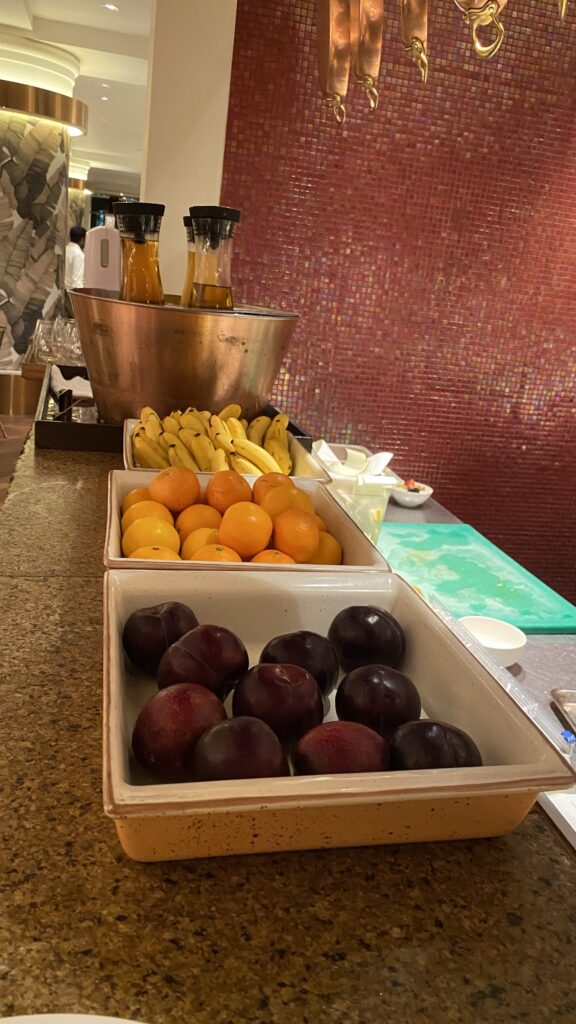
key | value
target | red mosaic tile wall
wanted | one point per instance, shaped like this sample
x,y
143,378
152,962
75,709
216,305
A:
x,y
431,253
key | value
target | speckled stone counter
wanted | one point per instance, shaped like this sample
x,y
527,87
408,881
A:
x,y
461,932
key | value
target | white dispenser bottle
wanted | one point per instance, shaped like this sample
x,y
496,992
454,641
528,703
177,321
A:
x,y
103,259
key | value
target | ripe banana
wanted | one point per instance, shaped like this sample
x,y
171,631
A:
x,y
173,457
200,447
235,427
192,420
254,453
147,454
230,410
217,426
224,442
153,426
179,455
218,461
277,429
244,466
147,411
257,429
244,424
171,424
164,439
280,452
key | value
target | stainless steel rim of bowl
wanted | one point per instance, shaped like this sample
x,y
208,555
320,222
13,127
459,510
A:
x,y
238,311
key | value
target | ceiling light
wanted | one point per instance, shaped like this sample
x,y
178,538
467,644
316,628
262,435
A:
x,y
104,99
104,85
111,7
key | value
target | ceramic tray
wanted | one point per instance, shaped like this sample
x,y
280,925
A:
x,y
457,684
358,551
303,462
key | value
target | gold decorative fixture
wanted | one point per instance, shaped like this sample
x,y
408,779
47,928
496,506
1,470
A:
x,y
41,103
478,14
334,56
366,25
414,33
350,39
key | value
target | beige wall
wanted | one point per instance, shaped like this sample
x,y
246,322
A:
x,y
188,88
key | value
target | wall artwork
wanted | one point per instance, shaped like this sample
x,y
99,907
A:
x,y
33,211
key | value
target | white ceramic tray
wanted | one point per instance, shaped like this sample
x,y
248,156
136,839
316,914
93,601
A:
x,y
457,683
304,464
358,551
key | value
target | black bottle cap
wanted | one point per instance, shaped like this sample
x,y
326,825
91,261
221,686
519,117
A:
x,y
215,213
135,209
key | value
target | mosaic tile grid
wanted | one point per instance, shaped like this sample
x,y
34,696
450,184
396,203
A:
x,y
431,252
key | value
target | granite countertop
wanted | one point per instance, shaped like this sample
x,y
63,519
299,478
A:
x,y
444,932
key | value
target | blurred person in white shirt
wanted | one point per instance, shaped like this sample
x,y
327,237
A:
x,y
74,277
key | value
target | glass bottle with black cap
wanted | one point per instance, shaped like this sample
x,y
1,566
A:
x,y
139,227
190,263
213,230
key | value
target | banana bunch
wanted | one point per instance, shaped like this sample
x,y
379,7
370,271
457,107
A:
x,y
207,443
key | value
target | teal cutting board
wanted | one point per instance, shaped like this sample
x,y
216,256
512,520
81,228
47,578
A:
x,y
470,576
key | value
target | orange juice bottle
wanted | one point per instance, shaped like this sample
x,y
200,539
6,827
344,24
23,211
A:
x,y
139,226
213,231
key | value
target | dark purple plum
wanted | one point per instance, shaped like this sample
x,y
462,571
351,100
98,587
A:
x,y
311,651
178,665
337,747
240,748
221,649
365,635
148,632
286,697
169,726
427,744
211,656
379,697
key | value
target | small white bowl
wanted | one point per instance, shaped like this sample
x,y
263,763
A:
x,y
502,640
412,499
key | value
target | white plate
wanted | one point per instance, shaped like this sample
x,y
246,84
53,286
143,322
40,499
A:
x,y
304,464
358,551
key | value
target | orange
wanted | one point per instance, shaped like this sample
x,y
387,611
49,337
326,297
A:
x,y
317,519
273,556
215,553
227,487
150,531
155,552
296,534
246,528
328,552
176,487
196,516
138,494
198,539
280,499
267,482
145,508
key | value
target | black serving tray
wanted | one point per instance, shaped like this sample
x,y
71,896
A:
x,y
68,425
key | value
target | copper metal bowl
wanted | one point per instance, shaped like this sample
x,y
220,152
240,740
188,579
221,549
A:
x,y
169,357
